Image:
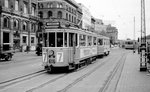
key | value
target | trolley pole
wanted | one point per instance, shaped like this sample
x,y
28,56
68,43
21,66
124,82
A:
x,y
134,36
0,30
143,45
29,28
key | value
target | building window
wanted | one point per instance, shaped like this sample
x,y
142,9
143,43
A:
x,y
6,3
50,5
66,7
24,26
40,14
6,22
40,5
66,16
25,7
72,18
50,14
16,5
32,39
24,39
59,14
16,24
75,12
33,27
33,9
69,17
59,5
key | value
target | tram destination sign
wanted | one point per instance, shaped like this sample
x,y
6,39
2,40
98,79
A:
x,y
52,24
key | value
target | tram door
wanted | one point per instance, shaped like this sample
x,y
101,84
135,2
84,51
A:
x,y
72,47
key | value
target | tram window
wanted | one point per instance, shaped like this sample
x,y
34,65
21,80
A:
x,y
82,39
70,39
65,42
76,39
89,40
45,40
104,42
59,39
94,40
100,42
51,39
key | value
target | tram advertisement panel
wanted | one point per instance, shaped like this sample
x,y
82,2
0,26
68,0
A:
x,y
84,52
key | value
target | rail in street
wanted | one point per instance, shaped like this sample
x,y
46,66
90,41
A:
x,y
20,79
104,75
112,81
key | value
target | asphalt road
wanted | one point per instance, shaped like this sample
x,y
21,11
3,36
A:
x,y
101,76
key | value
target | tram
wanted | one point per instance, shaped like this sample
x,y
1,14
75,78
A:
x,y
70,48
130,44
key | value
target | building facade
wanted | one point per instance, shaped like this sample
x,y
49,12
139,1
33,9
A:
x,y
100,27
86,17
112,32
62,12
18,24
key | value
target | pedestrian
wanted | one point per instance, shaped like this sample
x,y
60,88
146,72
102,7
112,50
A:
x,y
27,49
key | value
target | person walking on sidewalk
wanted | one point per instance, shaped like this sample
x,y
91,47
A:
x,y
27,49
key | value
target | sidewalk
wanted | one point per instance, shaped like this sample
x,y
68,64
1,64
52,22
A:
x,y
132,80
21,56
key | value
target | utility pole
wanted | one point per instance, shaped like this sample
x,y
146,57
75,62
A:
x,y
134,29
134,37
0,29
29,37
143,46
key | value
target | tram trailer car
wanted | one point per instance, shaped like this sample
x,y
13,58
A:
x,y
130,44
72,48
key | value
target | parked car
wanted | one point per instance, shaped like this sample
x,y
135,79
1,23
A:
x,y
7,55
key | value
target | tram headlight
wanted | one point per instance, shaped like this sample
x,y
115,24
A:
x,y
51,52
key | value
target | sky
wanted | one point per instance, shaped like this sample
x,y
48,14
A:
x,y
121,13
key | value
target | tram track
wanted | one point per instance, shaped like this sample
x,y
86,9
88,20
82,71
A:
x,y
83,76
33,75
116,73
20,79
60,77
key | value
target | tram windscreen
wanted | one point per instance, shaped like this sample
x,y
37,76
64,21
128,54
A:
x,y
59,39
65,40
51,39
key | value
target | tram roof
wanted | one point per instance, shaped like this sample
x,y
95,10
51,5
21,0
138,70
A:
x,y
76,30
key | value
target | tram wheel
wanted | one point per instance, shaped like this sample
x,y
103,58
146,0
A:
x,y
76,66
49,69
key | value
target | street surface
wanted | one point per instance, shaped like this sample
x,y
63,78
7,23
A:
x,y
117,72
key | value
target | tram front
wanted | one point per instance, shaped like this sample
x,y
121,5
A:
x,y
57,51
